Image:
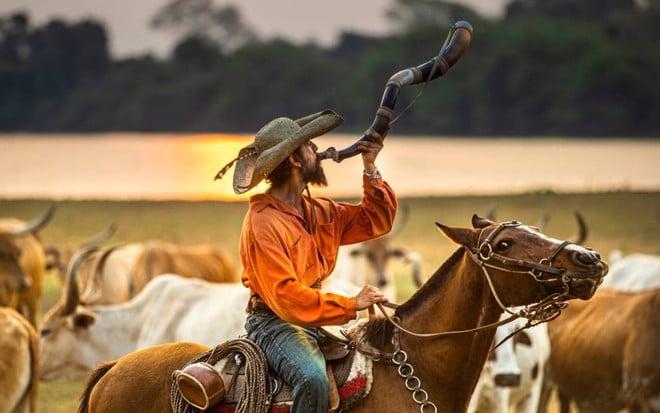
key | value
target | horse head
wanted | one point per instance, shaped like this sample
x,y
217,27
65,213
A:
x,y
523,265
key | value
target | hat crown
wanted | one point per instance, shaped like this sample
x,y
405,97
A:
x,y
274,132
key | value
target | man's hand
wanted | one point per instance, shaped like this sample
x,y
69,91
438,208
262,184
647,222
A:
x,y
368,296
369,153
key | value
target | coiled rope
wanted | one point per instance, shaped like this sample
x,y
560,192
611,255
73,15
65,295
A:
x,y
257,394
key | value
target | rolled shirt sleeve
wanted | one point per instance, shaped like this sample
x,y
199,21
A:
x,y
282,260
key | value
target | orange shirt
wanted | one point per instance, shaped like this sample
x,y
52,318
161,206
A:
x,y
282,260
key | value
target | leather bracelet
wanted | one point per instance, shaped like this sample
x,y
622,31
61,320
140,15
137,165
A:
x,y
375,175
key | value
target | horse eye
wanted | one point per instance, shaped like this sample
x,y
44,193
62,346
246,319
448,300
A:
x,y
502,245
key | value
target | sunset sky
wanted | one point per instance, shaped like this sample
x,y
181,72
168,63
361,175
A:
x,y
296,20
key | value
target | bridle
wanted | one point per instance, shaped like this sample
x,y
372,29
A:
x,y
544,310
486,258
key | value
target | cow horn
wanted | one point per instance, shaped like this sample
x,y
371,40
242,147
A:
x,y
102,236
72,295
490,211
91,291
38,223
582,229
543,222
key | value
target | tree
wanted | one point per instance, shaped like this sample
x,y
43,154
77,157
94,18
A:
x,y
203,20
594,10
409,14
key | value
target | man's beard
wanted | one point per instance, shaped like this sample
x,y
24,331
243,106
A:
x,y
314,174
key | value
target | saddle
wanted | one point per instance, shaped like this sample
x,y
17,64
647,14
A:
x,y
220,386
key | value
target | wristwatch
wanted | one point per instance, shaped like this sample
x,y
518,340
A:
x,y
375,175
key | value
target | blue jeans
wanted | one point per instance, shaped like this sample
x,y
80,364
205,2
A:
x,y
293,352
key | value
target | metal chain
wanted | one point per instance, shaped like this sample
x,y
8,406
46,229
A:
x,y
412,382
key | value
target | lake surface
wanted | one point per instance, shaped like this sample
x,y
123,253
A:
x,y
162,166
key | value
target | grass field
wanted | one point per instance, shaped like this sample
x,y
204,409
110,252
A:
x,y
618,220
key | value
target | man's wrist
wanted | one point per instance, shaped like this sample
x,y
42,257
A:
x,y
373,175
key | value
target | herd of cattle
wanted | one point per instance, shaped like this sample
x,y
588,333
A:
x,y
601,354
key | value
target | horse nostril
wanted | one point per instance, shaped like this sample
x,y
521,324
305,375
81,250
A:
x,y
587,258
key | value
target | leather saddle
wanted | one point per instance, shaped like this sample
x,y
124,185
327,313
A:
x,y
220,391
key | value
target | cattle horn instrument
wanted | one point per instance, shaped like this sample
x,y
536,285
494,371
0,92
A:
x,y
457,42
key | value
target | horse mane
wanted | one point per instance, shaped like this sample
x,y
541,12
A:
x,y
93,378
378,331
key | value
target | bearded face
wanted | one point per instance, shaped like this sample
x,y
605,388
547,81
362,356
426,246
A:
x,y
313,173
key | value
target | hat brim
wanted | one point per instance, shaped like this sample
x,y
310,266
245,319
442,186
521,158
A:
x,y
252,168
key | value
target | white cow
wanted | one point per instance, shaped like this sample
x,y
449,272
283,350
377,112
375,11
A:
x,y
512,378
76,337
633,273
369,262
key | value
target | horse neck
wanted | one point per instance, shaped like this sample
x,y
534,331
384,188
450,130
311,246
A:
x,y
456,297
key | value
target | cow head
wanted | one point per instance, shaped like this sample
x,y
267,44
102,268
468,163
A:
x,y
64,325
378,252
13,277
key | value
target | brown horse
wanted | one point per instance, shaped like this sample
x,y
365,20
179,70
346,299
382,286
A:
x,y
444,331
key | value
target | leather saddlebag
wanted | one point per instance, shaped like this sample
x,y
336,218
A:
x,y
200,385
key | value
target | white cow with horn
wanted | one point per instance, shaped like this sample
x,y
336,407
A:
x,y
76,337
367,262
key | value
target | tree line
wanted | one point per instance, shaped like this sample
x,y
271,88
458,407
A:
x,y
561,67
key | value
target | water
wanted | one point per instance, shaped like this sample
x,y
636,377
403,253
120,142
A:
x,y
161,166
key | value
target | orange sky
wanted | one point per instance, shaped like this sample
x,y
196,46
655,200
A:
x,y
297,20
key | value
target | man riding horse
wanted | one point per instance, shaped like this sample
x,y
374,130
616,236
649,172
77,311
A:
x,y
289,244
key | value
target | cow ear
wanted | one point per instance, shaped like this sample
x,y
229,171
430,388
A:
x,y
82,319
461,236
356,252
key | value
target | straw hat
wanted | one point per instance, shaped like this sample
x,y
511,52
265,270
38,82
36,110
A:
x,y
273,144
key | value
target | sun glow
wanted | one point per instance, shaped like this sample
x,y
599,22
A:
x,y
205,156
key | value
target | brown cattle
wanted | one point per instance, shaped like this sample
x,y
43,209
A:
x,y
22,264
604,353
196,261
19,364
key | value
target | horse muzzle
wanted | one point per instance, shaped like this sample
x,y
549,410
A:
x,y
585,284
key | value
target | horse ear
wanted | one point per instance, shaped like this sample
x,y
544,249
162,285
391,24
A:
x,y
462,236
480,222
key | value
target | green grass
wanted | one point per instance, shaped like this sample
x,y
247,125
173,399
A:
x,y
618,220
